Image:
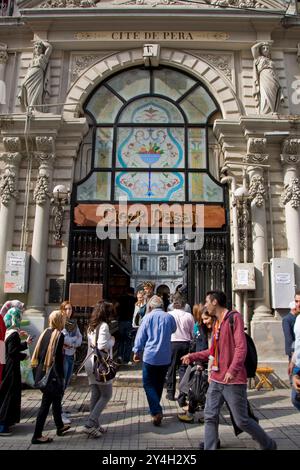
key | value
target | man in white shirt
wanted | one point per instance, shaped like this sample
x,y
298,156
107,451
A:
x,y
180,342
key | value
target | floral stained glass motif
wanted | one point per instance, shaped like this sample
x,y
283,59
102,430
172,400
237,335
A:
x,y
151,111
197,148
150,147
198,105
171,83
203,188
96,187
103,147
104,106
131,83
150,186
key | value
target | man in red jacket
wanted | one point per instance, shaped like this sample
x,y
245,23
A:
x,y
228,378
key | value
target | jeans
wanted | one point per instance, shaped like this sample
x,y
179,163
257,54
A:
x,y
295,402
100,396
236,397
47,400
68,369
125,344
153,382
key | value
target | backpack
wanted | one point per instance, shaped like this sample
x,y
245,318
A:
x,y
251,356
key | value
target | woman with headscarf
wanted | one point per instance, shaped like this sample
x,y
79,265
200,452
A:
x,y
10,388
49,352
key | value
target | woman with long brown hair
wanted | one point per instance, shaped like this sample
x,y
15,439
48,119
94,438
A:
x,y
101,393
49,351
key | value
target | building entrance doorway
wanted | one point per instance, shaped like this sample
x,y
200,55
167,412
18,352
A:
x,y
150,141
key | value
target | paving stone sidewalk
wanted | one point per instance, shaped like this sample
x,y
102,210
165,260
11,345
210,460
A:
x,y
129,425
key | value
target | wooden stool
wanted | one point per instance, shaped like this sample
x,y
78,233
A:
x,y
263,374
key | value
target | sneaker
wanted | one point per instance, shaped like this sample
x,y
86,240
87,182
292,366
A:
x,y
185,418
201,445
65,419
92,432
5,433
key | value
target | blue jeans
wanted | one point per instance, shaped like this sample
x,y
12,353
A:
x,y
125,344
68,368
295,402
236,397
153,382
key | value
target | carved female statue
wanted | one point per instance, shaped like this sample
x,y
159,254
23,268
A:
x,y
32,89
266,90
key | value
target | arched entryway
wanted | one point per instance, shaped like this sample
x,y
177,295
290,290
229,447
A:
x,y
151,140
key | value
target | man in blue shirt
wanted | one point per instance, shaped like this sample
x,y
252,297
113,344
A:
x,y
154,338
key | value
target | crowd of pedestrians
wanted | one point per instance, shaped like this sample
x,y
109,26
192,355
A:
x,y
166,337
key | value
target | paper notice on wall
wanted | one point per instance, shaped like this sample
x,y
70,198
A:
x,y
282,278
242,277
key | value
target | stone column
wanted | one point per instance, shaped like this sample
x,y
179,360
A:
x,y
3,60
39,252
8,195
290,159
256,154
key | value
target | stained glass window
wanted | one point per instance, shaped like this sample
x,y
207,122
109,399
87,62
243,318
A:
x,y
96,187
151,111
173,85
150,186
104,106
198,105
103,147
197,147
203,188
131,83
153,139
147,147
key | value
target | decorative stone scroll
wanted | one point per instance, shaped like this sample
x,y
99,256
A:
x,y
69,4
221,62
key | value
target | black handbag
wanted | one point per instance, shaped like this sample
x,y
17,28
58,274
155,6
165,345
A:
x,y
104,368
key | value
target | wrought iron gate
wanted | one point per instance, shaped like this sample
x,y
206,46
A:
x,y
209,268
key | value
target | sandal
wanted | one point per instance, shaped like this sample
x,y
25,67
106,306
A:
x,y
41,440
62,431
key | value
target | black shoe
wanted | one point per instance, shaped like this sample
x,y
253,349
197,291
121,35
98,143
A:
x,y
170,397
201,445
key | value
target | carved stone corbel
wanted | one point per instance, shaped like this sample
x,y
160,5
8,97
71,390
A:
x,y
256,150
290,151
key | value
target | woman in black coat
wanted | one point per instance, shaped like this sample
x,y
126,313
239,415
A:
x,y
48,354
11,387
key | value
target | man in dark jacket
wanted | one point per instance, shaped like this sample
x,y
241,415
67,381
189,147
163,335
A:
x,y
288,323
